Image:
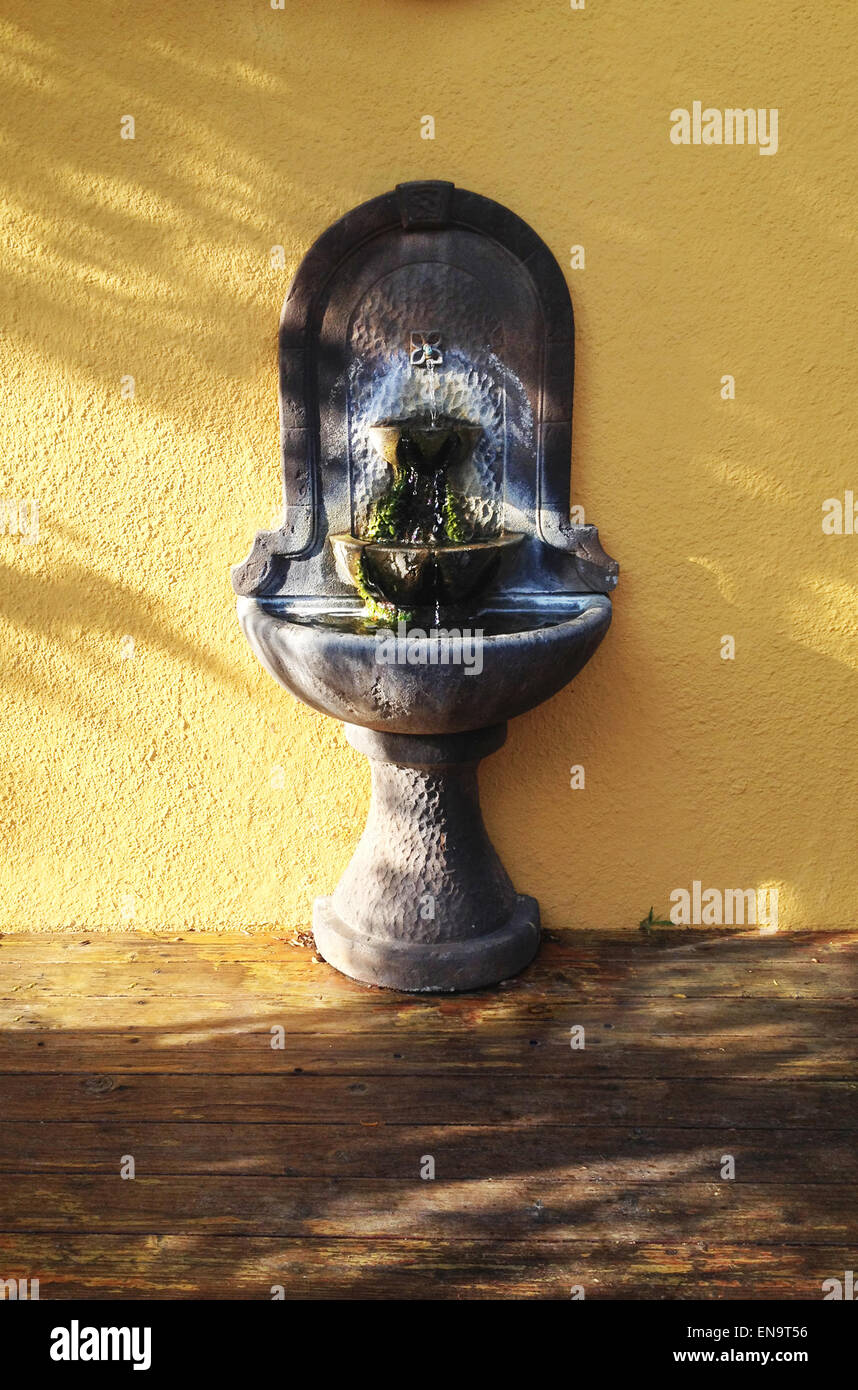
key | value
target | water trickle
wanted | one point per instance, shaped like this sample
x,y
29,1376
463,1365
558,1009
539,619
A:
x,y
433,389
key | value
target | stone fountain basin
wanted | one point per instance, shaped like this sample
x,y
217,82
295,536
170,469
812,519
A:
x,y
336,670
413,575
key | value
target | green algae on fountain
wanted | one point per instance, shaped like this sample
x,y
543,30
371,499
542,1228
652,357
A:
x,y
420,507
378,610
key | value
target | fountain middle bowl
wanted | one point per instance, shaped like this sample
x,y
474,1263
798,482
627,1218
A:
x,y
416,575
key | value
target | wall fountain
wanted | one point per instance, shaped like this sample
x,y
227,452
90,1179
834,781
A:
x,y
426,584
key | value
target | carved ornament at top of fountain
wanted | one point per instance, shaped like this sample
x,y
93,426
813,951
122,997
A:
x,y
426,364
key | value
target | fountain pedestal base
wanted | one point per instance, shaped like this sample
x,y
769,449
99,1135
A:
x,y
426,904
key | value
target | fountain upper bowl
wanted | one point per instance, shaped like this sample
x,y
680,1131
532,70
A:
x,y
425,442
338,664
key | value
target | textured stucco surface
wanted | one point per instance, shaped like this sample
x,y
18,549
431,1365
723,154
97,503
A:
x,y
178,786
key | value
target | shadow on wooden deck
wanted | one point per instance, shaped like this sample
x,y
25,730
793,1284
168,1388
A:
x,y
555,1166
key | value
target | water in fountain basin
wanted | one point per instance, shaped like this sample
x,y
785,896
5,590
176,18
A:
x,y
489,624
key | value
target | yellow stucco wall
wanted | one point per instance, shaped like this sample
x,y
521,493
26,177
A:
x,y
178,786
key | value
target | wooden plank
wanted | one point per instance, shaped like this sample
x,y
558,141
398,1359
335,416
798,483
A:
x,y
488,1209
223,1267
322,1012
653,975
392,1151
613,1154
466,1099
435,1046
235,946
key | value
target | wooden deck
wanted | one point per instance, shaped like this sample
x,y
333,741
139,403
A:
x,y
554,1167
